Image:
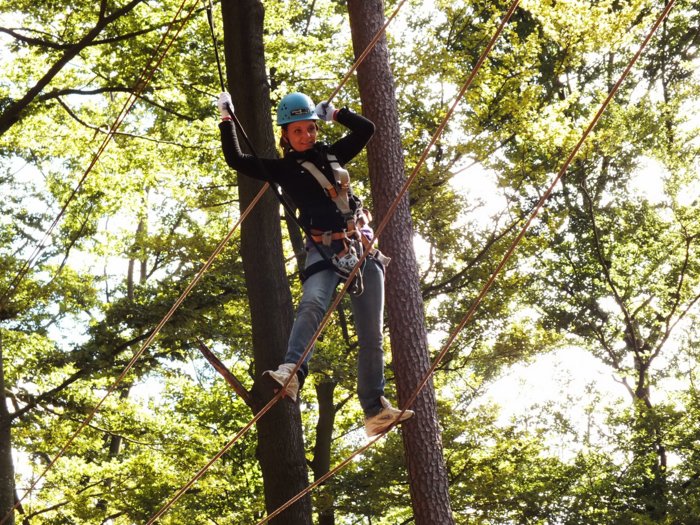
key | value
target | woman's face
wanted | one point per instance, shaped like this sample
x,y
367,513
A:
x,y
301,135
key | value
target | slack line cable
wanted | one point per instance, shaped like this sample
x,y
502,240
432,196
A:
x,y
540,204
143,348
368,49
493,276
140,85
380,229
345,287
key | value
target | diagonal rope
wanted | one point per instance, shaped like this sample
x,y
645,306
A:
x,y
540,204
380,229
495,273
182,297
146,344
344,288
139,86
279,395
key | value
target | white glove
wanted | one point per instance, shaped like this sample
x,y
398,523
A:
x,y
224,103
325,111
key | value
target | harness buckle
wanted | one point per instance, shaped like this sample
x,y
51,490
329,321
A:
x,y
345,264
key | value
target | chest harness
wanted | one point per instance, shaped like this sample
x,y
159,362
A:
x,y
349,245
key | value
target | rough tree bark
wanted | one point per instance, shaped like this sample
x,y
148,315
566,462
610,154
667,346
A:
x,y
280,436
321,462
421,435
7,467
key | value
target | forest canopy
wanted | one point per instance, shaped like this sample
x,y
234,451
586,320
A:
x,y
569,397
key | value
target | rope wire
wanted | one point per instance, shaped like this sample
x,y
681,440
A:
x,y
127,106
344,288
366,52
139,86
141,83
279,395
495,273
380,229
540,204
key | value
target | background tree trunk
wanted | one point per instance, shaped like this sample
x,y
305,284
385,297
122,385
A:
x,y
7,467
321,462
280,437
421,435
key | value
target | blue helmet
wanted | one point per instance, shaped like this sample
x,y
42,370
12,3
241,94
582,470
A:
x,y
294,107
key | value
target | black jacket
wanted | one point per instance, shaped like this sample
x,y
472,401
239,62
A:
x,y
317,210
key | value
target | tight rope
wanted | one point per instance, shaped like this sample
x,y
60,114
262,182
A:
x,y
150,339
543,199
182,297
392,209
279,395
143,80
339,296
493,276
139,86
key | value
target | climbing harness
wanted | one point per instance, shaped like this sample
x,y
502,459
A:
x,y
349,245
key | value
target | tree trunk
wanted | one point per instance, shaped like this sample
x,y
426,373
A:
x,y
421,435
321,463
7,468
280,436
652,495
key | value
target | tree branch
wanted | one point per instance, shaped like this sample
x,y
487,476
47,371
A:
x,y
225,373
13,113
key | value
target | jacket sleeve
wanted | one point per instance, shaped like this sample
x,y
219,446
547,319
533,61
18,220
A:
x,y
361,130
242,162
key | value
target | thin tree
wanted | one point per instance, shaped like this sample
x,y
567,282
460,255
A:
x,y
421,435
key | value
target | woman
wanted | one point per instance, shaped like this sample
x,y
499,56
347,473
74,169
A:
x,y
308,173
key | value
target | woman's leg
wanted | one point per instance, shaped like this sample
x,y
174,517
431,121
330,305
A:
x,y
368,311
315,298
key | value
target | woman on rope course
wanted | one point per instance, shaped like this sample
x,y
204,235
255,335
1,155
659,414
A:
x,y
312,174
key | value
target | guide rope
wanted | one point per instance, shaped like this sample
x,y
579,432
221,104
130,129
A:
x,y
192,284
344,288
470,313
380,229
366,52
143,80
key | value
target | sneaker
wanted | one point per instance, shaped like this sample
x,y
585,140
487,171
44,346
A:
x,y
383,419
281,375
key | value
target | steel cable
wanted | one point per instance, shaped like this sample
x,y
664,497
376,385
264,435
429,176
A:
x,y
139,87
347,283
494,274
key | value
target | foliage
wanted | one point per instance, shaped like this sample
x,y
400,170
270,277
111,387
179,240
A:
x,y
609,266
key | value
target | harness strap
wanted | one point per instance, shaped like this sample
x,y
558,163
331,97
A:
x,y
315,268
374,252
338,192
326,237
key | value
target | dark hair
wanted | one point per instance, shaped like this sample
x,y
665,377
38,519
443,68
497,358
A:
x,y
284,143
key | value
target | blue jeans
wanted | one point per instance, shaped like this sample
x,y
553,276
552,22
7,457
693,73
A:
x,y
368,312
